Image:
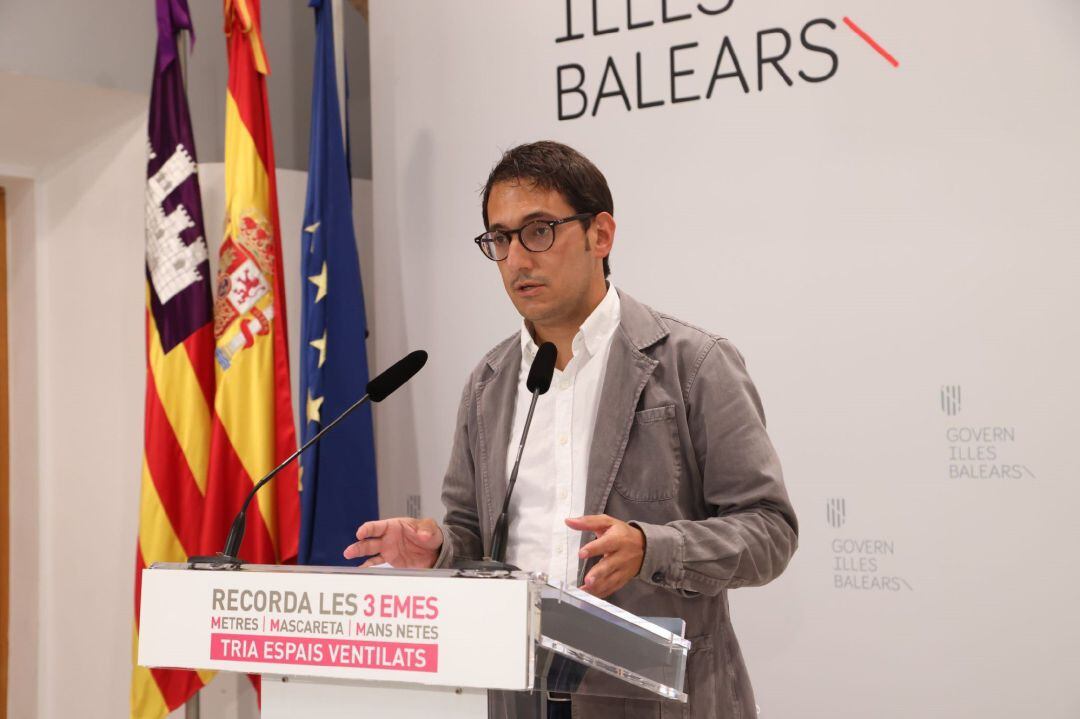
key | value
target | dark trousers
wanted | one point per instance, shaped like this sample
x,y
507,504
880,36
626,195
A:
x,y
558,710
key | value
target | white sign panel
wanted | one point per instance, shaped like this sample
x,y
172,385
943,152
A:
x,y
434,630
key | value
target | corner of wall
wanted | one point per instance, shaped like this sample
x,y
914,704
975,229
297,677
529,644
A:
x,y
24,585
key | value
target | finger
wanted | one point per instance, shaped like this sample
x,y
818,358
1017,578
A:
x,y
609,586
372,561
600,571
608,543
608,583
367,546
363,548
374,528
590,522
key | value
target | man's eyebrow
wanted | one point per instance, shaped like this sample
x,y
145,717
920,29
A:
x,y
535,215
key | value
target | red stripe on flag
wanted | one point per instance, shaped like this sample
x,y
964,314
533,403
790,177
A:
x,y
173,480
200,350
176,685
223,501
140,564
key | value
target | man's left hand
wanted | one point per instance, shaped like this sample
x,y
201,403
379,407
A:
x,y
622,547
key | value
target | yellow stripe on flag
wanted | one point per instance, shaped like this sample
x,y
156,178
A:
x,y
147,701
247,183
245,406
184,403
244,402
158,541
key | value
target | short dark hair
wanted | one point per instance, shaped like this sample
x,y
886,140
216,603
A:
x,y
551,165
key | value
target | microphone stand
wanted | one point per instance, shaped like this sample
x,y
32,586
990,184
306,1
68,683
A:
x,y
497,561
227,558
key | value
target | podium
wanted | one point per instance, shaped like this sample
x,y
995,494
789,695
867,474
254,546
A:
x,y
334,642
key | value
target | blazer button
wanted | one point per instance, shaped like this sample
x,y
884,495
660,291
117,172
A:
x,y
658,577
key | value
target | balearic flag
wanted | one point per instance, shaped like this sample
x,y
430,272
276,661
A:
x,y
253,424
338,476
179,351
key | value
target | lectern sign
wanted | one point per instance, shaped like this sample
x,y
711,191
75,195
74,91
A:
x,y
299,639
427,628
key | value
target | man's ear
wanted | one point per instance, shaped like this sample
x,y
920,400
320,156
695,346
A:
x,y
603,226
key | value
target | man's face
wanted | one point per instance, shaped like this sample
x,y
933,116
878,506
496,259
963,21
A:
x,y
556,286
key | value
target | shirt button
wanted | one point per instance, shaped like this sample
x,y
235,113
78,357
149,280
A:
x,y
565,384
562,493
563,439
658,577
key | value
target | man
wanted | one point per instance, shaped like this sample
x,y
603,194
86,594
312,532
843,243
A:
x,y
651,442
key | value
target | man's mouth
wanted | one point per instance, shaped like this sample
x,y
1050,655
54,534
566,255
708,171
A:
x,y
527,287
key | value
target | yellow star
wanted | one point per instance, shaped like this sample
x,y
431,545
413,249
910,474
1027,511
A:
x,y
319,281
310,229
320,344
313,408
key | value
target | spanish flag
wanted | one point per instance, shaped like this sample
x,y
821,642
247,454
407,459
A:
x,y
179,351
253,422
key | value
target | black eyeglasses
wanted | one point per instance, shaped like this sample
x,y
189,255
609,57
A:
x,y
535,236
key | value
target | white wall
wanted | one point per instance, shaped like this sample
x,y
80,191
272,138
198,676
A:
x,y
76,304
76,42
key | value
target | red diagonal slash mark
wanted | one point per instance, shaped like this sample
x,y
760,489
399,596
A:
x,y
871,42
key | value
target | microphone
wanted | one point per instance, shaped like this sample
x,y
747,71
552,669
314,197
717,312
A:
x,y
538,382
377,390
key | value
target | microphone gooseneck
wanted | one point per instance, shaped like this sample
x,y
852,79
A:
x,y
378,389
538,382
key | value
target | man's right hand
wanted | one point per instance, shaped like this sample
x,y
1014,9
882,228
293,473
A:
x,y
402,542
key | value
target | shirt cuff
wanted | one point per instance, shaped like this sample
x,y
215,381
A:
x,y
663,561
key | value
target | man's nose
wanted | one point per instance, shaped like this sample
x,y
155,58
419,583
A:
x,y
517,257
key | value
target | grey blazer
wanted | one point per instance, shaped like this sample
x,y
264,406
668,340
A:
x,y
679,450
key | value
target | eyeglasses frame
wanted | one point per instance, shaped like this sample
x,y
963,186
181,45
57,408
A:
x,y
550,223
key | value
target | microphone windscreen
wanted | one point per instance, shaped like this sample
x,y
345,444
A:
x,y
396,375
543,367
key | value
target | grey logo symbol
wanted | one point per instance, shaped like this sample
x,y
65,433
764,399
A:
x,y
412,506
950,399
836,512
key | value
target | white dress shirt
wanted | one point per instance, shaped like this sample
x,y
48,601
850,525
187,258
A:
x,y
551,479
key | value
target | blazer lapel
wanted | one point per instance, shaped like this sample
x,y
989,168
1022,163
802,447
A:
x,y
627,372
496,398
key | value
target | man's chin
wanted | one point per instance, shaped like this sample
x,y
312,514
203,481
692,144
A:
x,y
532,310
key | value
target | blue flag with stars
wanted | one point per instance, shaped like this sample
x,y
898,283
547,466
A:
x,y
337,482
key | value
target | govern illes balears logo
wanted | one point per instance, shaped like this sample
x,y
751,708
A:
x,y
976,449
706,62
950,399
836,512
862,563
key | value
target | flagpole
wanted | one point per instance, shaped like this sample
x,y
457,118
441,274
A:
x,y
182,46
191,706
338,7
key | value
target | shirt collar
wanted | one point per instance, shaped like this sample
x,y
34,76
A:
x,y
595,330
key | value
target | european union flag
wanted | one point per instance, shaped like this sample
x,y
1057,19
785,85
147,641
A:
x,y
337,481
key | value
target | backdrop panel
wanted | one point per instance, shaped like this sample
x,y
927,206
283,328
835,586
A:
x,y
875,203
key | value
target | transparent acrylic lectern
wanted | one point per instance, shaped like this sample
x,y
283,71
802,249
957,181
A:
x,y
334,642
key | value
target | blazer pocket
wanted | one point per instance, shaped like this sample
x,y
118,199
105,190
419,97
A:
x,y
651,465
